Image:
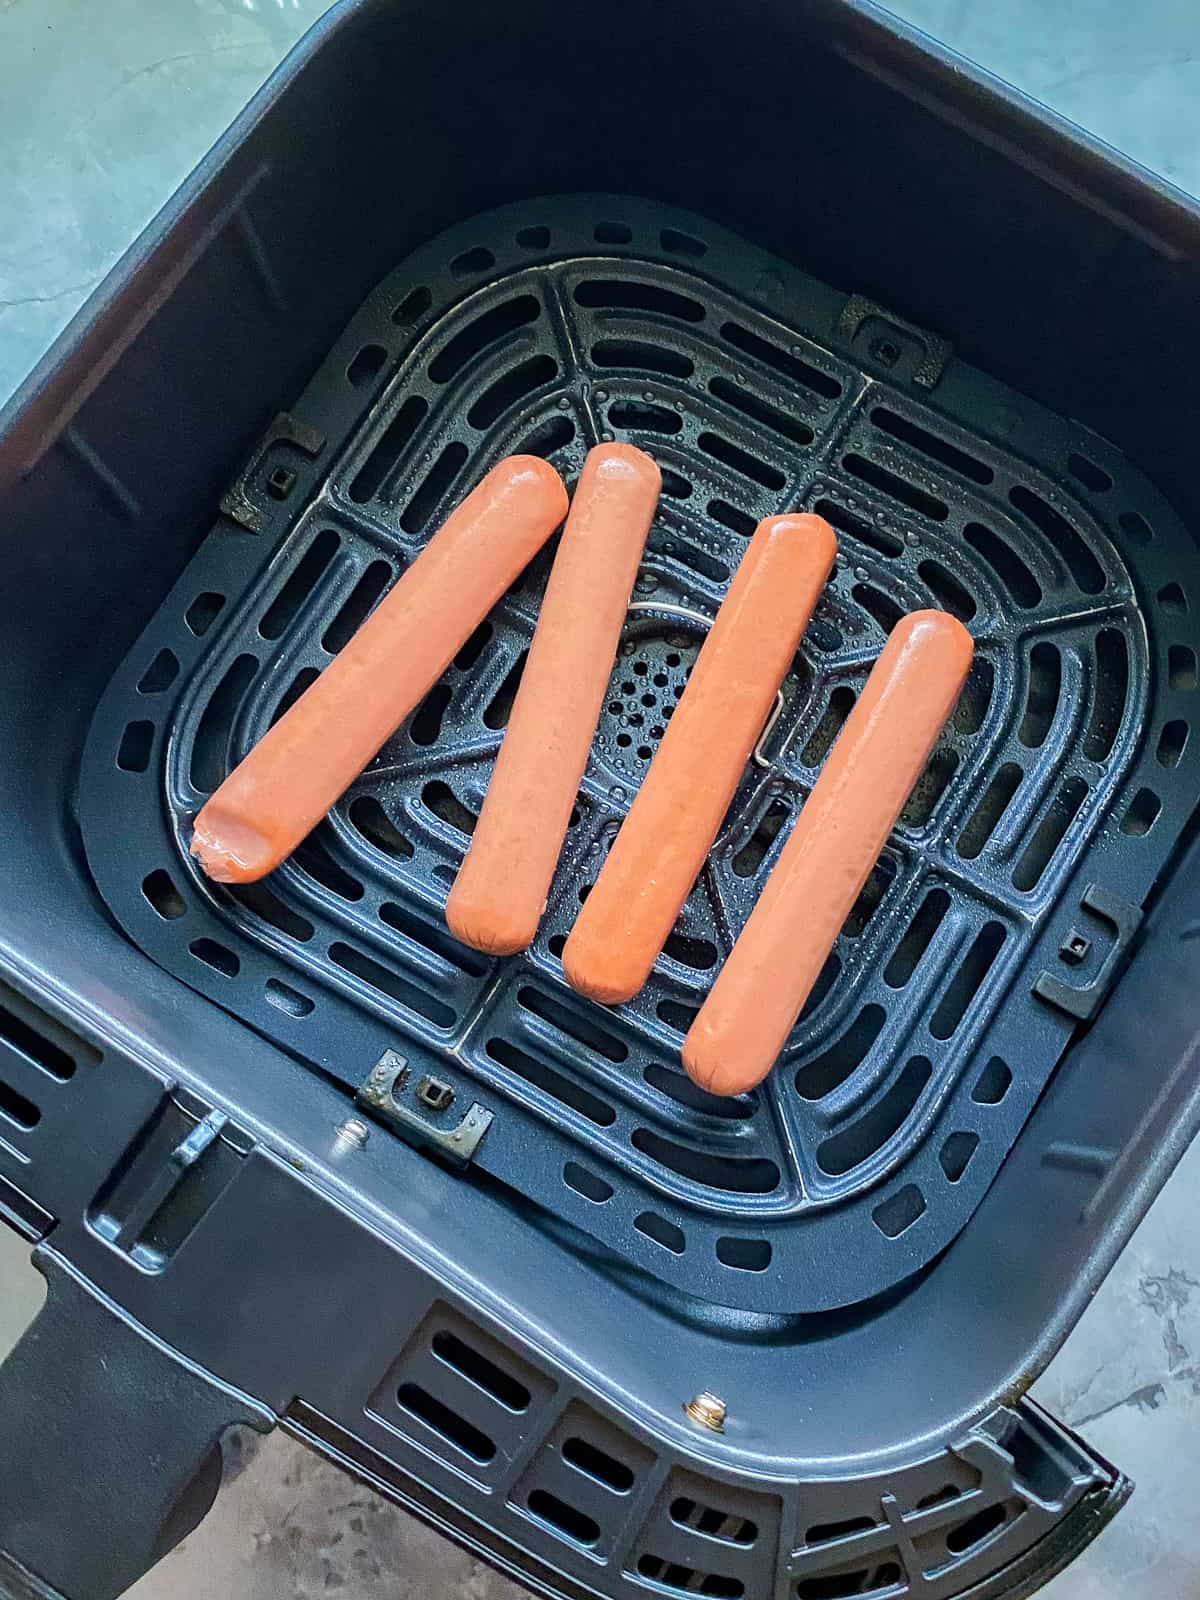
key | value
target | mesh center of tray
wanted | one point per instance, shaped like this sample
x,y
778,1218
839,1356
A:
x,y
908,1076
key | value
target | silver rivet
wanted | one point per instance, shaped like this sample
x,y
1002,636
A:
x,y
351,1135
707,1411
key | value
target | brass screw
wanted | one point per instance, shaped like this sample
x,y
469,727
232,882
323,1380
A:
x,y
707,1411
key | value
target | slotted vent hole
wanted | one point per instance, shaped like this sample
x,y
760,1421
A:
x,y
437,482
357,607
1063,538
159,889
997,798
501,322
393,442
1172,599
210,752
415,304
759,410
931,786
286,999
788,365
1092,477
993,1083
868,533
967,981
262,902
203,612
931,445
18,1108
641,357
956,1153
1023,588
587,1184
687,1580
552,1083
898,488
739,522
643,416
216,956
577,1026
917,939
510,390
34,1035
426,722
821,740
1051,832
699,954
369,819
947,591
679,1088
824,1073
752,854
1172,742
367,364
315,861
728,1526
160,674
651,1226
566,1520
480,1370
300,684
897,1214
499,707
1109,693
976,697
733,1174
976,1529
626,294
598,1464
438,1416
1142,814
390,984
886,612
444,803
861,1139
433,936
1045,686
741,461
744,1255
137,741
879,880
1181,667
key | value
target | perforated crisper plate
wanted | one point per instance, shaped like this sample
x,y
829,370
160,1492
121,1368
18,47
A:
x,y
1067,775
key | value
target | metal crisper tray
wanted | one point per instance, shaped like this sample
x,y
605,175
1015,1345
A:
x,y
993,924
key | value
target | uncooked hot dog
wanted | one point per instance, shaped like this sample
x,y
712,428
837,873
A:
x,y
500,892
870,772
660,849
319,746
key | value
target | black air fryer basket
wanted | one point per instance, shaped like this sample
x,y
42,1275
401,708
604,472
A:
x,y
291,1155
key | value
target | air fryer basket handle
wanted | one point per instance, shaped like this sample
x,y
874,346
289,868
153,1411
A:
x,y
109,1447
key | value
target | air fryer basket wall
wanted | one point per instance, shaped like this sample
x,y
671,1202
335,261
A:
x,y
309,1282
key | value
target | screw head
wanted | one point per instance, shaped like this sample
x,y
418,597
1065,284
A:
x,y
351,1134
707,1411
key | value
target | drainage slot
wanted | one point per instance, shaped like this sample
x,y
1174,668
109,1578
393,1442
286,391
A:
x,y
737,460
1181,667
17,1109
357,607
216,956
956,1153
929,444
878,605
1045,685
566,1520
314,860
369,818
500,706
996,800
967,981
259,901
160,674
598,1464
1172,742
472,262
137,741
479,1370
841,704
1050,834
444,803
976,697
287,603
1078,559
203,612
845,521
300,684
1016,577
661,1232
1142,814
677,1015
686,1580
210,752
699,954
159,889
891,483
367,364
453,1428
415,304
369,478
641,416
947,590
551,1082
692,1097
752,854
641,357
575,1027
857,1143
758,410
745,1255
976,1529
730,517
488,329
781,361
712,1521
390,984
624,295
433,937
822,1075
931,786
427,719
734,1174
587,1184
993,1083
511,389
917,939
438,480
1089,474
897,1214
682,244
286,999
1108,695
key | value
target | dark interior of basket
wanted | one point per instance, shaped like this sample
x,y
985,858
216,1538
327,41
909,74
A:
x,y
983,939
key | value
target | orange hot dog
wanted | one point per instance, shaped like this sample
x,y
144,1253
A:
x,y
758,994
319,746
660,849
500,892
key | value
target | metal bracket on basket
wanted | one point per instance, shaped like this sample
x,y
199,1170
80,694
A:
x,y
380,1094
701,621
